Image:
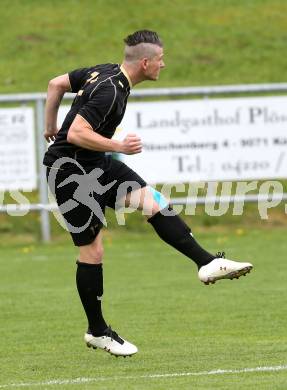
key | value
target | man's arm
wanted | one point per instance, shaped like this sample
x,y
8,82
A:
x,y
81,133
56,90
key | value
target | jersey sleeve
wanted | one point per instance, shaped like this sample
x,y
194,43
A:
x,y
78,77
99,106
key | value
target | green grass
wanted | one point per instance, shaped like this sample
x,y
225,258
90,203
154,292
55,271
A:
x,y
152,296
206,42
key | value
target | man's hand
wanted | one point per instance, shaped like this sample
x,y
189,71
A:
x,y
131,144
50,134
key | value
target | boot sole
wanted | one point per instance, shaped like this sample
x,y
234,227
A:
x,y
107,350
231,275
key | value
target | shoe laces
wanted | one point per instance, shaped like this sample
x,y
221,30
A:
x,y
113,335
220,255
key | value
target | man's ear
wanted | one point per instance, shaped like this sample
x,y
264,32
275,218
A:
x,y
144,62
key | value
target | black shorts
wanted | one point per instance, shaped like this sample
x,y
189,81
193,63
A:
x,y
83,194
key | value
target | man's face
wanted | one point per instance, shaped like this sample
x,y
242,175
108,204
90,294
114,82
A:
x,y
154,64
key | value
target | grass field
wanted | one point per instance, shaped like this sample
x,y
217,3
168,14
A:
x,y
153,298
206,42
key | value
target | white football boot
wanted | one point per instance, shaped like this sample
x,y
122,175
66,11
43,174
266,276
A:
x,y
221,268
110,342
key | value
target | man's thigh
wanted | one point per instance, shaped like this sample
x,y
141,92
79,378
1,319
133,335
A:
x,y
83,217
132,191
127,181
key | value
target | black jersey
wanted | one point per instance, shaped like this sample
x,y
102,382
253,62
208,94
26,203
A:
x,y
102,93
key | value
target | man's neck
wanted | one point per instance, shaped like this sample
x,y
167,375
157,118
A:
x,y
131,74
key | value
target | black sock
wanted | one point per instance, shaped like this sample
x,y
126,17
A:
x,y
89,279
174,231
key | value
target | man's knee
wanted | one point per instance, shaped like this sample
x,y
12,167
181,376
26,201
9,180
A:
x,y
92,253
155,201
97,250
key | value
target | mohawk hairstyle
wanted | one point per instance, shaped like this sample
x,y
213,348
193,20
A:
x,y
143,36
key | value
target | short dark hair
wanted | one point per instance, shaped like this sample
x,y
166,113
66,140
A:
x,y
143,36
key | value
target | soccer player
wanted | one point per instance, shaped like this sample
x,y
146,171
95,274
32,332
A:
x,y
85,179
